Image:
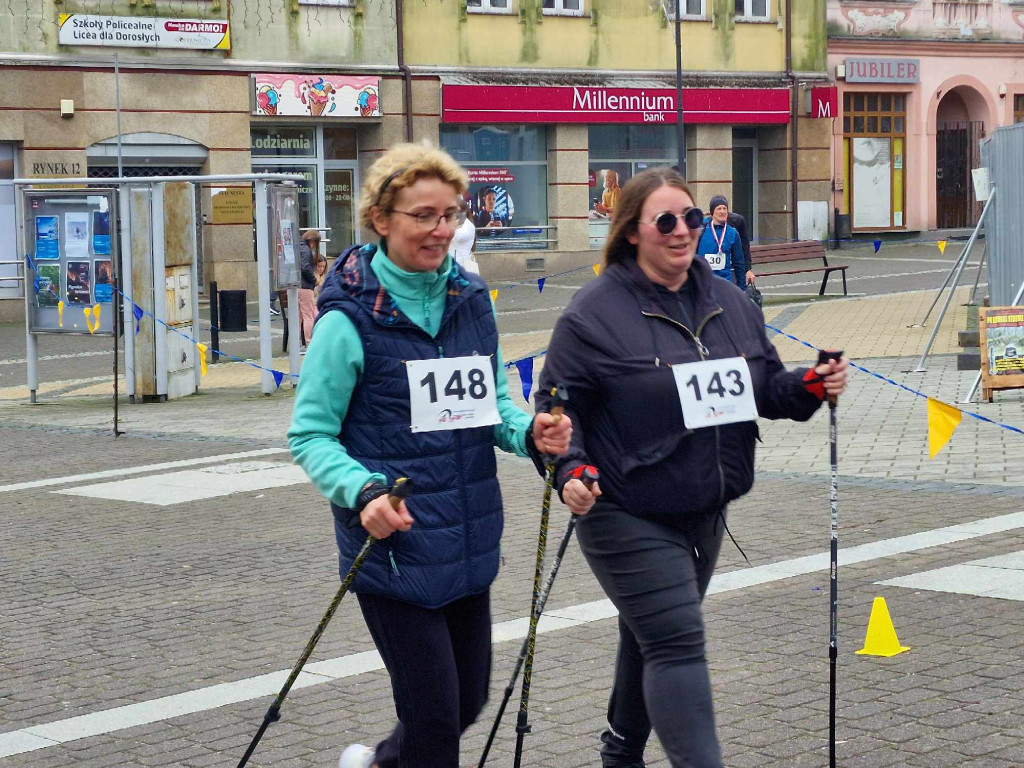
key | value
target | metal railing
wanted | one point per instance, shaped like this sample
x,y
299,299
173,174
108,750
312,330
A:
x,y
18,279
523,238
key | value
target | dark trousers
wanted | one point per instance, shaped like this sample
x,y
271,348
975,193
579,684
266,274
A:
x,y
440,666
656,576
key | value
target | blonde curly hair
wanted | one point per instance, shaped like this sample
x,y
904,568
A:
x,y
402,166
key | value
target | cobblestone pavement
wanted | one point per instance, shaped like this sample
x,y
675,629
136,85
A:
x,y
111,605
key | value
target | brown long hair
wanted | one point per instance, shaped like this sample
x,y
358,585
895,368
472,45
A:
x,y
312,238
631,203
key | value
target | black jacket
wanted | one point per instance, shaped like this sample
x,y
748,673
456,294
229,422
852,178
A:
x,y
613,347
307,266
737,222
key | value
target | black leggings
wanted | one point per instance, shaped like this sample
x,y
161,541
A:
x,y
440,666
656,576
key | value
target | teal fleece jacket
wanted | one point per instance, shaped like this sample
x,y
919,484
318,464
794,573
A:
x,y
333,366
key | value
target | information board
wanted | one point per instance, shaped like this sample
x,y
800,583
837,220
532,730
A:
x,y
1001,335
70,249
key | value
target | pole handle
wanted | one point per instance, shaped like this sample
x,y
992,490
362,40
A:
x,y
826,356
560,396
399,491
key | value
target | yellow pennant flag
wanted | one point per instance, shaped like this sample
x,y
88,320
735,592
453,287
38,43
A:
x,y
494,295
96,315
60,313
597,269
942,421
942,246
202,358
88,318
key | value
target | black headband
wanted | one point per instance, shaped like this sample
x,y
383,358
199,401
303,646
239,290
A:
x,y
389,179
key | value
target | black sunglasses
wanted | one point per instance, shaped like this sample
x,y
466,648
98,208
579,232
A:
x,y
667,221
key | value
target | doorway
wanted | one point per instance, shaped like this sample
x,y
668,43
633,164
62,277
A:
x,y
744,177
957,151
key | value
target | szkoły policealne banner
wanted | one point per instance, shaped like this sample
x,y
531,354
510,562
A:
x,y
144,32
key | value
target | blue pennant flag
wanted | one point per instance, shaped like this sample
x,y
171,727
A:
x,y
278,378
526,376
137,312
540,284
878,244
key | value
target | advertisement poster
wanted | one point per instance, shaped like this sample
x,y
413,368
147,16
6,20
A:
x,y
492,207
1004,342
47,239
101,232
76,234
872,182
104,289
316,95
143,32
79,287
288,240
48,293
606,184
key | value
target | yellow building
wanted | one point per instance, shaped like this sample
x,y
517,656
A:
x,y
554,104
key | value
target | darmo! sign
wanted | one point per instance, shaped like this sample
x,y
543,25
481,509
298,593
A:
x,y
574,104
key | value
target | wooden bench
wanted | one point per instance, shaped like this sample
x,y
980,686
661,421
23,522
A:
x,y
801,250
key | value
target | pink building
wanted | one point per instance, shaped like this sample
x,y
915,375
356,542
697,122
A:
x,y
920,84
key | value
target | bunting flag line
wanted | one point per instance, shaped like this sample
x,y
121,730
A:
x,y
878,245
494,296
202,358
137,311
540,284
597,269
942,246
278,378
943,420
525,367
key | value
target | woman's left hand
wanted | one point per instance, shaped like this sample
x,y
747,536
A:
x,y
751,277
551,437
834,373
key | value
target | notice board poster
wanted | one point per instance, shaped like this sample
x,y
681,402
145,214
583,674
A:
x,y
1001,334
71,259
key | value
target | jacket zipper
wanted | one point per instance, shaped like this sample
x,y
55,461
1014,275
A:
x,y
703,352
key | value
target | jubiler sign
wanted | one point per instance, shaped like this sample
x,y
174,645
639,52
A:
x,y
143,32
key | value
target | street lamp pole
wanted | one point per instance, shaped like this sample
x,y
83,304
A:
x,y
680,133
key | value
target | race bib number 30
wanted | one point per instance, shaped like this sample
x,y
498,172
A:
x,y
451,393
714,392
716,260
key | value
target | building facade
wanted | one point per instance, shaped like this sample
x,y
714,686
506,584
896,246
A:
x,y
306,86
553,105
920,84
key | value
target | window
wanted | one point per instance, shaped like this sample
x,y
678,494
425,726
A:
x,y
488,6
690,9
874,138
563,7
508,182
752,9
1018,108
338,3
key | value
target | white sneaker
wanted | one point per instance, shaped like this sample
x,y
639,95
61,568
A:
x,y
357,756
275,312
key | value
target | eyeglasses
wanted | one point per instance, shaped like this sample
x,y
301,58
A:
x,y
428,222
667,221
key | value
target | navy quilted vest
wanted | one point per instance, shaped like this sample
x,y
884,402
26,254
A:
x,y
452,549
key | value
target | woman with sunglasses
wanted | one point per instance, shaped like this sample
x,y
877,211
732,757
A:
x,y
404,377
666,368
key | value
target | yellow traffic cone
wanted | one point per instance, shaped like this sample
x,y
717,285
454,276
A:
x,y
881,639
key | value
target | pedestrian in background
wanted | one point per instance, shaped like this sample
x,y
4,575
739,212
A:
x,y
721,247
464,242
424,589
630,348
309,253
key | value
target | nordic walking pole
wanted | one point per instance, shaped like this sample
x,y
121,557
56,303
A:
x,y
833,497
589,477
522,723
397,493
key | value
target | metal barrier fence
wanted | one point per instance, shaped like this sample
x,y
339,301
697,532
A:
x,y
1003,154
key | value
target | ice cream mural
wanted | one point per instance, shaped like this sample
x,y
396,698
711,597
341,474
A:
x,y
327,96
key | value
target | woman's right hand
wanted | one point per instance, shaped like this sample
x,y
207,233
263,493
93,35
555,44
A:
x,y
380,519
578,497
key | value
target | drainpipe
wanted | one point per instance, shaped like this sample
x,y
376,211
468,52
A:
x,y
793,117
403,67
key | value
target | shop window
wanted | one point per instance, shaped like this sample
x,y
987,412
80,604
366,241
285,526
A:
x,y
873,151
617,153
488,6
307,189
1018,108
508,182
563,7
339,142
752,10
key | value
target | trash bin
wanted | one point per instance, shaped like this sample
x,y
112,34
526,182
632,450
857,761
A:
x,y
842,226
232,312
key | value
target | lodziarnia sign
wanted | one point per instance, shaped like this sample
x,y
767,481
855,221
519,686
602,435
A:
x,y
577,104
